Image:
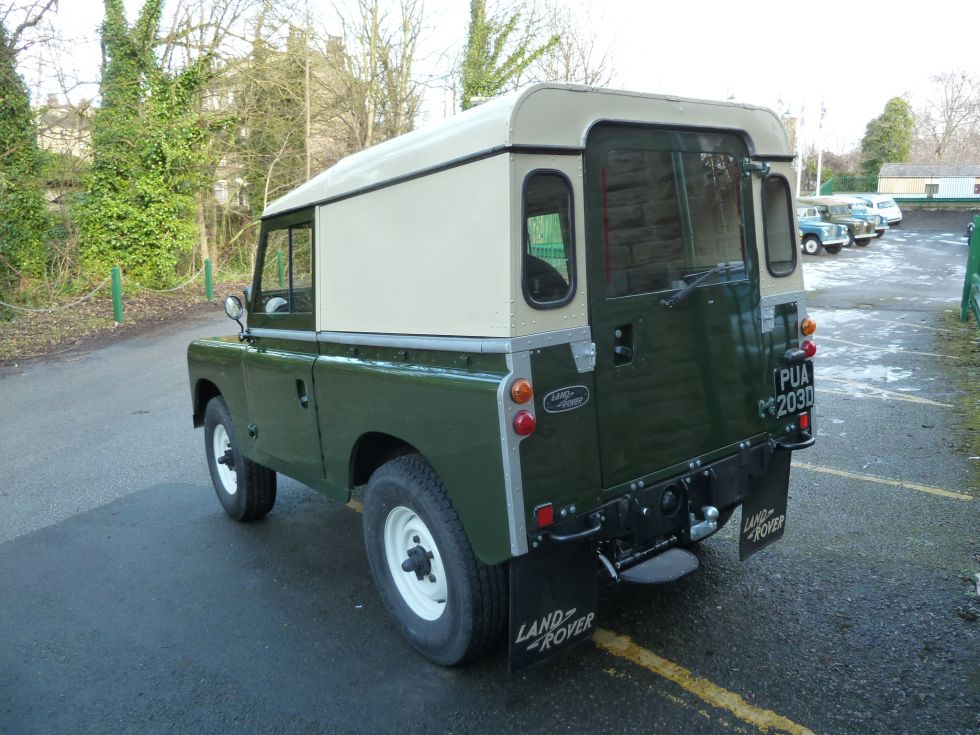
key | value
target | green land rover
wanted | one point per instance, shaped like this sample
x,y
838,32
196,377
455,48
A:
x,y
558,339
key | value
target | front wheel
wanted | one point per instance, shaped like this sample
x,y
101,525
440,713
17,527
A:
x,y
446,602
880,233
811,245
863,243
246,489
833,249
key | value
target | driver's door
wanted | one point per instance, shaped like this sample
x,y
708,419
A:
x,y
283,430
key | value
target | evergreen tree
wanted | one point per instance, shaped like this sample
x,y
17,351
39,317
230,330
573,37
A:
x,y
493,60
150,150
23,215
887,138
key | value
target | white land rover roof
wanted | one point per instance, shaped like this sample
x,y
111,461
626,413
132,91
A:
x,y
541,116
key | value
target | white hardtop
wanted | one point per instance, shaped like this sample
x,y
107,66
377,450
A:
x,y
542,115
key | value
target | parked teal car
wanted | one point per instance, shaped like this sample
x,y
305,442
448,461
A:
x,y
817,235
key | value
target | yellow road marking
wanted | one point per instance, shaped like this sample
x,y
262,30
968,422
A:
x,y
620,645
763,719
884,481
890,394
888,349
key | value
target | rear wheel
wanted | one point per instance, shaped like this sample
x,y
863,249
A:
x,y
864,242
446,602
246,489
811,245
879,233
833,249
850,239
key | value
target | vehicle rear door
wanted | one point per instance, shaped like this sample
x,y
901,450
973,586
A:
x,y
674,295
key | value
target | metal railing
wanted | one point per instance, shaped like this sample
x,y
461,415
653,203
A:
x,y
940,188
971,284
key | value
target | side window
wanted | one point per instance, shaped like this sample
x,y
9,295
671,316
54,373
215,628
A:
x,y
286,284
548,240
777,202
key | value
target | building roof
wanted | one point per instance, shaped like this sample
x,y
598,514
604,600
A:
x,y
541,116
930,169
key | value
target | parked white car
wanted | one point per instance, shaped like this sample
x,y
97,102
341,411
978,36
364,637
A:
x,y
883,205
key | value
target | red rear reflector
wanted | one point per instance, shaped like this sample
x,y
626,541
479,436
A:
x,y
809,349
804,421
544,515
524,423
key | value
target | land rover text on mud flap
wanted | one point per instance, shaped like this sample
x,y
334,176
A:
x,y
560,338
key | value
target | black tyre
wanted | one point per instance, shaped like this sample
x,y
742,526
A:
x,y
833,249
864,242
246,489
879,233
447,603
850,239
811,245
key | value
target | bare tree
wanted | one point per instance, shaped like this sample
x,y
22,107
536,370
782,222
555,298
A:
x,y
578,56
948,126
22,18
376,87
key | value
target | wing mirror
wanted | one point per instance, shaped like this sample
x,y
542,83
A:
x,y
235,310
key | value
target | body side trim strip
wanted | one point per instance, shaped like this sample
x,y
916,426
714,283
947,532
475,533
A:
x,y
782,298
519,366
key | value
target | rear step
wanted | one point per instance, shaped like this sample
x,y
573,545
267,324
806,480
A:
x,y
666,567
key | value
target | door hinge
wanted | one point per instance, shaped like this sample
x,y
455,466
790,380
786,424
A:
x,y
759,167
583,352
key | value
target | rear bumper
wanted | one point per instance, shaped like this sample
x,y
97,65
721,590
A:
x,y
670,509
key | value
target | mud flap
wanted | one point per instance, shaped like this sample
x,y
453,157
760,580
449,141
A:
x,y
552,601
764,510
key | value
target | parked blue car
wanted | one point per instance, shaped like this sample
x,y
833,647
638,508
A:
x,y
817,234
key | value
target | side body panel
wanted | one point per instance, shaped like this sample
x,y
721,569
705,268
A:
x,y
219,362
444,405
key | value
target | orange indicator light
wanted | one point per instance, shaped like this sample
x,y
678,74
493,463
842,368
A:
x,y
520,391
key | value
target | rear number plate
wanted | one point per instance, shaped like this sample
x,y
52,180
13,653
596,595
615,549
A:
x,y
794,388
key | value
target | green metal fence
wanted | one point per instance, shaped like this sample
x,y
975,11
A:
x,y
971,284
545,241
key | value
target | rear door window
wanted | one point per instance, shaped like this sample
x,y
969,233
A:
x,y
670,215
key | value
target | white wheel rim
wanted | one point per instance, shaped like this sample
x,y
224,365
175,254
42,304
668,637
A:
x,y
404,530
221,443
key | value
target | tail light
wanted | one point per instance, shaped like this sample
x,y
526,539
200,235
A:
x,y
804,421
524,423
809,349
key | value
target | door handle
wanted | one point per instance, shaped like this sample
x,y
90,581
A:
x,y
623,345
304,399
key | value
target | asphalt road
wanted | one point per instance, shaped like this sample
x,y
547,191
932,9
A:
x,y
129,602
